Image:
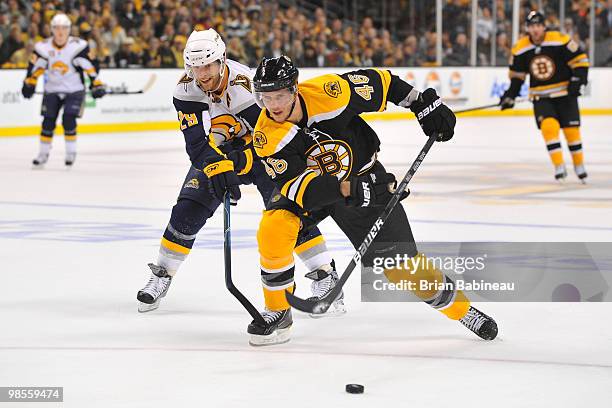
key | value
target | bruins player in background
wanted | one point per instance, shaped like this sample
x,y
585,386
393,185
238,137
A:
x,y
65,59
558,70
220,161
322,156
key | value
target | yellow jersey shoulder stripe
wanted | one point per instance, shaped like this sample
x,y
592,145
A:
x,y
555,38
522,45
270,137
325,96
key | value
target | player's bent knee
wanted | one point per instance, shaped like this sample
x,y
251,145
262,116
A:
x,y
277,234
550,125
189,216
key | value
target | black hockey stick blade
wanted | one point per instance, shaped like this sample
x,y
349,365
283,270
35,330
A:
x,y
227,255
320,306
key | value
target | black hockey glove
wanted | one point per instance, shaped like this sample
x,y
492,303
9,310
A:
x,y
434,116
223,178
27,90
506,101
372,189
575,87
240,152
97,89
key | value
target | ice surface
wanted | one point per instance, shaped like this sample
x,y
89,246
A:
x,y
74,247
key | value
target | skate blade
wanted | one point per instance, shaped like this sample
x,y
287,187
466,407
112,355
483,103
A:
x,y
147,307
280,336
336,310
38,166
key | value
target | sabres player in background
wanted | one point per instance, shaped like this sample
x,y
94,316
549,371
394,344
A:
x,y
323,158
65,60
221,161
558,71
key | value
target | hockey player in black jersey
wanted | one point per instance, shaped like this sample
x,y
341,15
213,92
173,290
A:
x,y
322,157
558,71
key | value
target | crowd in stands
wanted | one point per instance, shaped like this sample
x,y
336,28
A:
x,y
153,33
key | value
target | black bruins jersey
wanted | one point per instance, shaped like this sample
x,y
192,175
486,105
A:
x,y
332,142
550,65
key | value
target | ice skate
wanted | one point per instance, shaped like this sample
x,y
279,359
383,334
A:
x,y
275,330
70,159
479,323
151,295
560,173
323,282
40,160
581,173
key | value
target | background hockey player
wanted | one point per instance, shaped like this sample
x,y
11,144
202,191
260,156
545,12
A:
x,y
220,162
323,158
65,59
557,69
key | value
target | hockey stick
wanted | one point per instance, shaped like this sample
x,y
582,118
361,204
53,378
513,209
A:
x,y
493,105
119,91
227,255
320,306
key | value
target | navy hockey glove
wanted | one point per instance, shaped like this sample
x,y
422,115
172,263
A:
x,y
433,116
27,90
223,178
97,89
372,189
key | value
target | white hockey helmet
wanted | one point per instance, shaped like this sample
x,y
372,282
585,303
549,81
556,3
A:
x,y
202,48
60,20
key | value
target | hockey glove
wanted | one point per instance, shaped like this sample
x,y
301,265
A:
x,y
240,152
27,90
372,189
575,87
223,178
97,89
506,102
433,116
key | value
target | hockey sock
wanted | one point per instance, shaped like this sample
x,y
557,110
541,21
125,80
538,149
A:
x,y
313,253
574,142
276,239
550,130
187,218
432,286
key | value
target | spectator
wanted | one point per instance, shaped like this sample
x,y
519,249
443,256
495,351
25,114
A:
x,y
127,56
460,54
502,51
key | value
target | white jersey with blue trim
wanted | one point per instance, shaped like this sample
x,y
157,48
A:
x,y
233,112
63,66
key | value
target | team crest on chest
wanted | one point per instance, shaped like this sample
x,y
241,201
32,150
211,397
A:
x,y
542,67
331,157
332,88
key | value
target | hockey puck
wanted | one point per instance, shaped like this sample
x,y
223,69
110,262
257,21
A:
x,y
354,388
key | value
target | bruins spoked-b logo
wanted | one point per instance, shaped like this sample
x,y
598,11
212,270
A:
x,y
331,157
542,67
332,88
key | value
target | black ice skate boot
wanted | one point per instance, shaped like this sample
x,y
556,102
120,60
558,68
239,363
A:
x,y
479,323
275,330
157,287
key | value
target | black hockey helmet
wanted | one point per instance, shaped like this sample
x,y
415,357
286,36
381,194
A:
x,y
273,74
535,17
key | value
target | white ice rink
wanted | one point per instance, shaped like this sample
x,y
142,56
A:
x,y
74,247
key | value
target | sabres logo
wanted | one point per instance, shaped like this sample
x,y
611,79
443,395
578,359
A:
x,y
332,88
60,67
331,157
193,183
